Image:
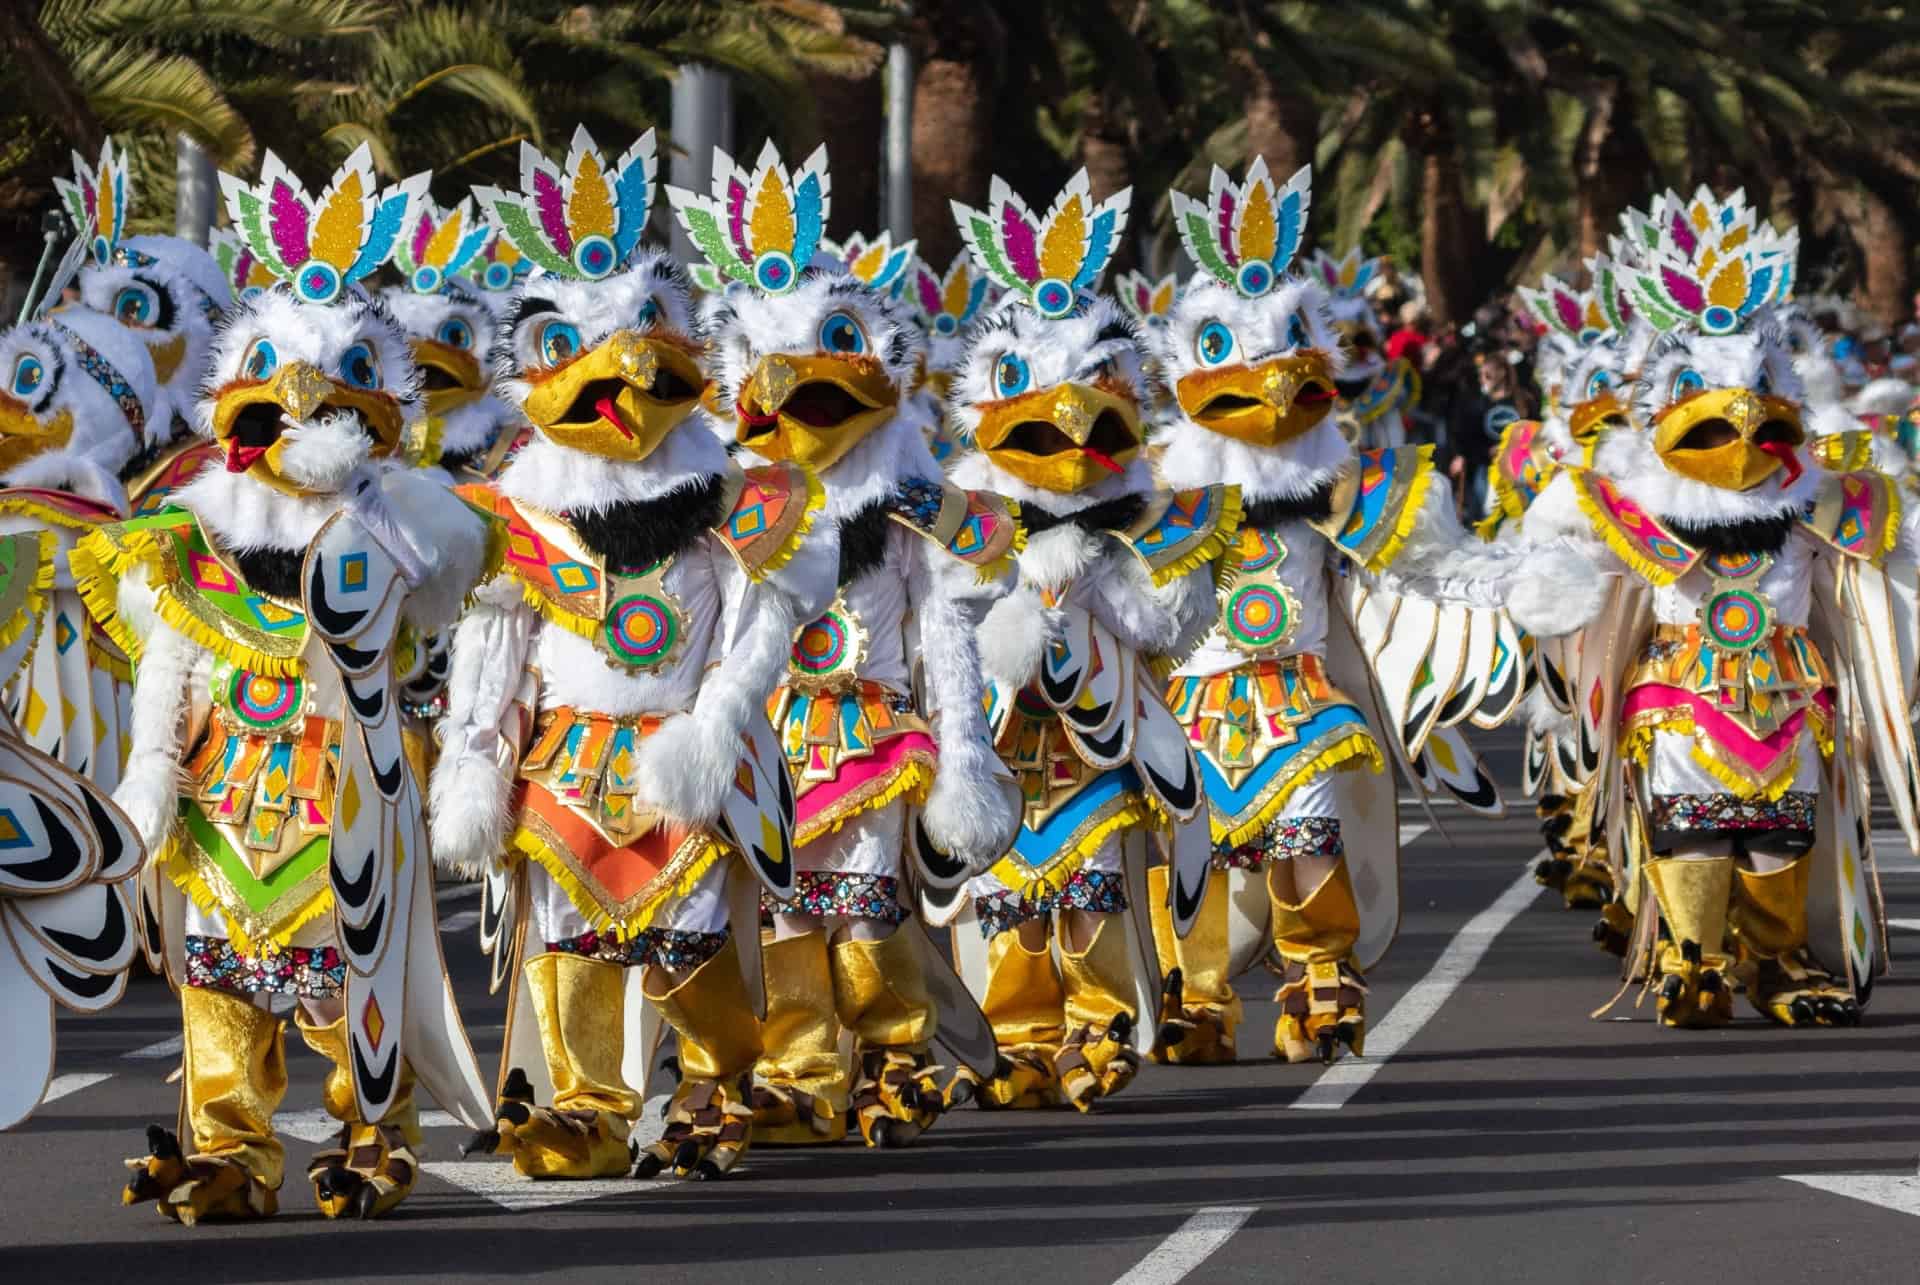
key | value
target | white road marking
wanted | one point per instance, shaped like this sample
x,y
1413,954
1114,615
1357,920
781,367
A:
x,y
497,1180
315,1125
1339,1082
1412,831
1908,925
169,1047
62,1085
464,919
1899,1192
1196,1240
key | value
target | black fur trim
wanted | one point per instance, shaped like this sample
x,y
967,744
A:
x,y
863,541
454,461
1264,515
634,534
274,572
1109,515
1753,535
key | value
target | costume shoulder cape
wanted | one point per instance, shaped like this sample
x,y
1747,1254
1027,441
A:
x,y
1376,501
979,528
1177,531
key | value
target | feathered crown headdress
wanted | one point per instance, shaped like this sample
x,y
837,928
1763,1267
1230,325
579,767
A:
x,y
1581,315
1245,236
1148,300
1049,261
879,263
98,198
761,228
438,244
582,222
1347,276
498,265
245,273
947,303
1705,263
321,245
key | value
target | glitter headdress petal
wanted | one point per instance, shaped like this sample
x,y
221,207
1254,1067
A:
x,y
1245,235
321,246
760,228
1047,261
583,221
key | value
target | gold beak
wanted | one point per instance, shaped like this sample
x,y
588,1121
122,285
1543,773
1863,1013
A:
x,y
24,435
1262,405
299,389
1732,438
812,410
621,399
1064,438
167,356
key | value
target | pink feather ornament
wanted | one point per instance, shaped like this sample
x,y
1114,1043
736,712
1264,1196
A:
x,y
287,218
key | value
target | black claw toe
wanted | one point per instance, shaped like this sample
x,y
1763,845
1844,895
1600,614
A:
x,y
962,1093
1171,1033
706,1171
336,1181
483,1142
1003,1068
1120,1029
162,1144
671,1065
1690,951
1710,983
687,1156
1672,989
648,1165
363,1203
910,1096
517,1088
880,1133
1801,1011
514,1112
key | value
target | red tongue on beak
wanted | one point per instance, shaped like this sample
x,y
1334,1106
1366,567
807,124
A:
x,y
240,458
609,413
1103,460
1788,460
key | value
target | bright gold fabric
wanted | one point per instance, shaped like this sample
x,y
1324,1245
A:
x,y
880,992
1693,896
336,1092
235,1078
1024,1001
801,1033
1202,955
1098,981
1770,910
579,1004
1322,927
719,1035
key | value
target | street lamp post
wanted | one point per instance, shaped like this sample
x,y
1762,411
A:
x,y
702,121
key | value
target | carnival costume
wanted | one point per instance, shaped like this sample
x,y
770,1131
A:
x,y
1356,623
271,611
451,328
817,368
946,304
172,295
1760,631
606,760
1055,939
1377,396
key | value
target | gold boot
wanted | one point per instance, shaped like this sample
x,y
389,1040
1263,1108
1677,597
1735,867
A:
x,y
710,1120
579,1004
1027,1009
1200,1012
801,1096
880,991
1097,1061
1322,997
234,1077
1769,923
374,1167
1694,991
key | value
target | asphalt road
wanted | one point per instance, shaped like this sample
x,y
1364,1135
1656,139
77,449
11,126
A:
x,y
1507,1137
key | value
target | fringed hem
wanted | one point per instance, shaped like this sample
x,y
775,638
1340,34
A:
x,y
179,868
910,780
533,848
1617,543
1636,745
780,557
1016,876
1409,516
1360,745
1224,537
33,607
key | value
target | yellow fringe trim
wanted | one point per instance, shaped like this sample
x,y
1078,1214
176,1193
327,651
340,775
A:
x,y
33,609
1622,548
1225,536
1360,745
1016,874
180,869
48,514
1636,745
1890,533
912,781
530,846
816,500
98,568
1489,526
1001,565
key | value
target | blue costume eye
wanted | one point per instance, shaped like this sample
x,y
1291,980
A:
x,y
261,360
455,333
133,306
1010,375
1214,344
1297,334
1599,382
28,374
841,334
559,341
649,313
1686,382
358,367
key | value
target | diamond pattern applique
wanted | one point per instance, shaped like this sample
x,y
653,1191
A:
x,y
574,577
748,520
63,633
353,573
372,1021
208,574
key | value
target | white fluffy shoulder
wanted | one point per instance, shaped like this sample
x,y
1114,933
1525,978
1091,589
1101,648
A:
x,y
472,783
149,789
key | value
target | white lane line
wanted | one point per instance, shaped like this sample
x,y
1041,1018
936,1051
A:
x,y
1196,1240
169,1047
464,919
1412,831
62,1085
456,892
1339,1082
1899,1192
315,1125
1908,925
498,1181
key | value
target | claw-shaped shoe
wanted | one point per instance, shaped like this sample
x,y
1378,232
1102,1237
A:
x,y
800,1094
188,1189
370,1172
1025,1079
1693,984
1613,930
709,1128
787,1116
1192,1035
1096,1063
1795,991
1323,1005
1694,990
896,1096
1589,883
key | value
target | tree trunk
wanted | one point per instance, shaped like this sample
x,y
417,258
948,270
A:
x,y
1451,239
849,119
959,45
1885,291
1283,127
46,79
1610,166
1108,157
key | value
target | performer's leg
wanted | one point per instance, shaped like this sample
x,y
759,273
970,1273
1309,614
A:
x,y
1199,1012
1023,1000
1692,885
800,1094
1315,921
1769,925
374,1166
1097,1059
